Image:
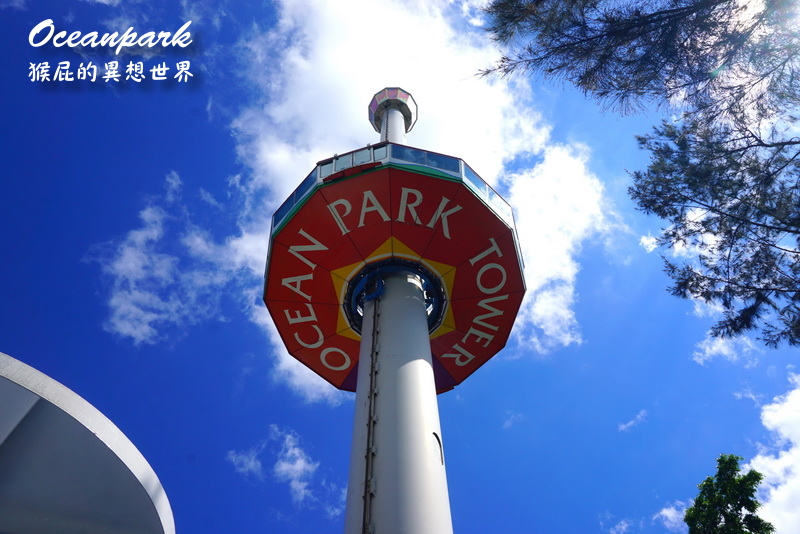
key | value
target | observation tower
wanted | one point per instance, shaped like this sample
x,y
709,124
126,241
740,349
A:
x,y
394,272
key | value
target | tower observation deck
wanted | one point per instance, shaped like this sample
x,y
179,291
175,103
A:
x,y
394,272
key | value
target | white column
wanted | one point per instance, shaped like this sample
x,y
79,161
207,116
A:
x,y
393,127
402,477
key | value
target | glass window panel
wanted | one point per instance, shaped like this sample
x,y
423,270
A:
x,y
306,184
283,211
508,216
343,162
475,181
500,206
326,169
362,156
446,163
380,152
408,154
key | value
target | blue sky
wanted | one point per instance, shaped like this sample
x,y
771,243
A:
x,y
134,220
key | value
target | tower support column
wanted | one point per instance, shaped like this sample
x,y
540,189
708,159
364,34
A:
x,y
393,128
397,482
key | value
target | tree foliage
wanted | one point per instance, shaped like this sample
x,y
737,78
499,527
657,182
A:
x,y
736,210
716,55
727,502
725,175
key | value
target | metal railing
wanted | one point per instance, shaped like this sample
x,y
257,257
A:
x,y
446,167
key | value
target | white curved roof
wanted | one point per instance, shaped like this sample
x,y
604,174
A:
x,y
65,467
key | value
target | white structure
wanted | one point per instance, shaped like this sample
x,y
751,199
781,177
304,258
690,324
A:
x,y
393,113
397,482
397,476
65,468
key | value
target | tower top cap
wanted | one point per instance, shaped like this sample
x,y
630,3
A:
x,y
396,98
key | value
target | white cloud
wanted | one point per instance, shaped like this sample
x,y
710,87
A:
x,y
512,419
139,275
208,198
748,393
162,278
638,419
671,517
559,205
202,13
311,70
731,349
174,185
292,466
150,289
648,242
609,524
704,309
289,370
780,463
315,72
472,11
14,4
247,463
620,528
705,241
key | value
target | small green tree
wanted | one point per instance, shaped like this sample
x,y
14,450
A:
x,y
727,502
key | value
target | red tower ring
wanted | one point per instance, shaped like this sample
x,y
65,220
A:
x,y
385,203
